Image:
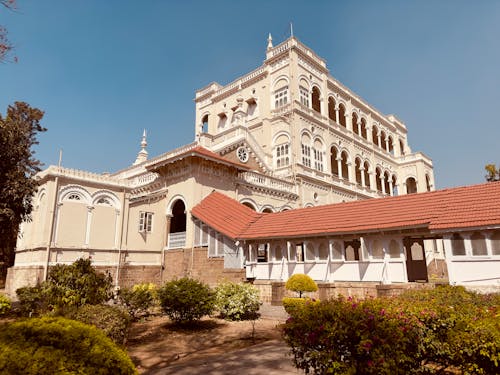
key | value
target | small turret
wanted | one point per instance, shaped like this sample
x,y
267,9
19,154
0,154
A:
x,y
269,42
142,156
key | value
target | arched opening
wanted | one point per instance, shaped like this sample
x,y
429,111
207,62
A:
x,y
332,114
222,120
318,155
358,171
411,185
177,231
367,175
383,138
363,129
267,210
401,147
249,205
252,107
344,166
342,115
386,182
394,186
378,179
457,244
315,97
391,145
428,182
333,161
204,124
355,127
375,135
478,242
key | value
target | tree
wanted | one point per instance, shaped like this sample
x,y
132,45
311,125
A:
x,y
492,173
5,45
18,166
301,283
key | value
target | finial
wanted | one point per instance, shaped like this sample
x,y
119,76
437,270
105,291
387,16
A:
x,y
142,156
269,42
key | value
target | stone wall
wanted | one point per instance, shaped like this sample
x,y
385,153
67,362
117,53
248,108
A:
x,y
20,276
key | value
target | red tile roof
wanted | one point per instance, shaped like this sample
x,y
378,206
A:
x,y
455,208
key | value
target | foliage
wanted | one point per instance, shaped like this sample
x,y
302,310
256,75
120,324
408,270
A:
x,y
237,301
59,346
5,45
139,299
76,284
112,320
5,305
292,304
492,173
31,300
301,283
425,331
185,300
18,166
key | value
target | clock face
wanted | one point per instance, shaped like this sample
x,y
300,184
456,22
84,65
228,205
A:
x,y
242,154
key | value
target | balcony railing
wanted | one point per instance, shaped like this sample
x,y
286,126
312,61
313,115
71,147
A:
x,y
177,240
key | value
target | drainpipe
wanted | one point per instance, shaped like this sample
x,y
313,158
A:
x,y
52,229
120,241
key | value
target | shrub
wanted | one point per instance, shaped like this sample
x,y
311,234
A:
x,y
31,300
237,301
292,304
185,300
59,346
301,283
5,305
139,299
112,320
76,284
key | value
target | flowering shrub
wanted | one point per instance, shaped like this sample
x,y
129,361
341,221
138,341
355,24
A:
x,y
139,299
59,346
422,331
237,301
185,300
301,283
4,304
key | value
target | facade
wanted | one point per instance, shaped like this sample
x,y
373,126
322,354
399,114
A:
x,y
285,136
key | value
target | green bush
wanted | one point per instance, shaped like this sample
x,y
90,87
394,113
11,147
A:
x,y
112,320
237,301
426,331
31,300
185,300
5,305
139,299
59,346
292,304
76,284
301,283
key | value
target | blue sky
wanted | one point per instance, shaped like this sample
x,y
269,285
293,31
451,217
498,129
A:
x,y
104,70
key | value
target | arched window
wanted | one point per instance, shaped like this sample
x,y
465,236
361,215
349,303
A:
x,y
344,165
411,185
222,120
358,171
375,135
402,147
342,115
394,186
377,250
204,124
383,138
363,129
355,127
249,205
367,175
267,210
457,245
336,250
495,242
252,107
394,250
478,242
177,232
306,150
315,98
318,155
281,93
391,145
428,182
378,179
333,161
282,151
332,114
304,96
386,182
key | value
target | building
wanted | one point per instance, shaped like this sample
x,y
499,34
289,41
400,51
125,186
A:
x,y
287,135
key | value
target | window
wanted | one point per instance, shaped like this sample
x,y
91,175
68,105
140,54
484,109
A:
x,y
394,251
332,114
200,234
310,252
299,252
457,245
342,115
495,242
352,250
222,120
377,250
316,100
282,156
281,97
478,243
333,160
411,185
204,124
252,108
74,197
304,96
145,221
262,253
104,201
306,155
323,251
318,160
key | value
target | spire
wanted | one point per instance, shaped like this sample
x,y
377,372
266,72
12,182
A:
x,y
269,42
143,154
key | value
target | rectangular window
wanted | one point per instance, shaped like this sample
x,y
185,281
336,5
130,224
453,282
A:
x,y
304,96
145,221
281,97
262,253
306,155
318,160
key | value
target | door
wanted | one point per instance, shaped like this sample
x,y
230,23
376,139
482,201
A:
x,y
416,266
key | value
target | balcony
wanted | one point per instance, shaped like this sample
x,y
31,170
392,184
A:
x,y
177,240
